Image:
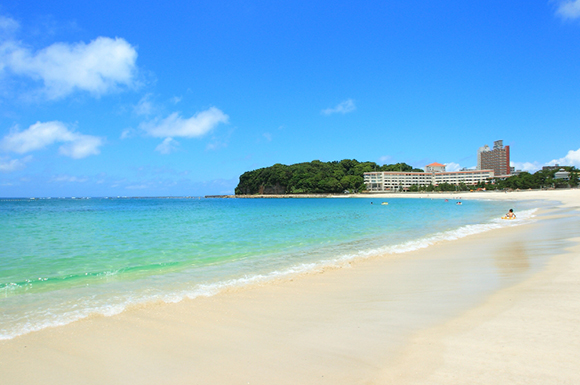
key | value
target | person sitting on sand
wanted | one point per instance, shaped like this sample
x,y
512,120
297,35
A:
x,y
511,214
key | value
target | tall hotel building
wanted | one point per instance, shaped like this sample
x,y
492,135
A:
x,y
497,159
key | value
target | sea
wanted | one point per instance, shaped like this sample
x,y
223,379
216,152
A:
x,y
62,260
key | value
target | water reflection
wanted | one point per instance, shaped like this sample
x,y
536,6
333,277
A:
x,y
512,259
528,251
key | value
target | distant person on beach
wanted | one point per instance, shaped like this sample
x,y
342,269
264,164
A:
x,y
511,214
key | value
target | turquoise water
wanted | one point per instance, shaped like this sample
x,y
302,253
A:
x,y
63,259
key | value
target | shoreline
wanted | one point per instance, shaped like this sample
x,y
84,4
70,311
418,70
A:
x,y
493,195
365,324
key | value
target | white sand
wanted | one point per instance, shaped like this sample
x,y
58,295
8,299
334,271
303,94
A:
x,y
494,308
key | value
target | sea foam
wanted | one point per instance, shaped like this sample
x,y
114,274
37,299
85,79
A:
x,y
101,300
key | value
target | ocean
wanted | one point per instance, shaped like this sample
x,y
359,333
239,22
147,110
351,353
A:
x,y
62,260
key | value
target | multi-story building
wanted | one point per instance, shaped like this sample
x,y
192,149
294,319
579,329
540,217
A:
x,y
497,159
551,168
469,177
479,152
562,174
436,174
396,180
435,167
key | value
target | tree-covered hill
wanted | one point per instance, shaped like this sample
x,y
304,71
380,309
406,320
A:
x,y
314,177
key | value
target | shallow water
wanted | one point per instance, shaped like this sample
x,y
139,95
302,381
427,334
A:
x,y
62,259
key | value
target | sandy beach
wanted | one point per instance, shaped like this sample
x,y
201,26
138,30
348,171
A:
x,y
500,307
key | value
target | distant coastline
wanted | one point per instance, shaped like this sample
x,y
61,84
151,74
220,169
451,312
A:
x,y
276,196
439,194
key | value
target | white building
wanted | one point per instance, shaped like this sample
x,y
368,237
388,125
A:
x,y
435,167
479,151
396,180
562,174
469,177
401,181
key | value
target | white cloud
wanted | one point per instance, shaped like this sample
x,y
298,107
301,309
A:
x,y
69,179
81,146
37,136
385,159
99,67
10,165
451,166
137,187
569,9
41,135
145,106
342,108
221,141
530,167
168,146
176,126
216,145
8,26
127,133
571,159
268,136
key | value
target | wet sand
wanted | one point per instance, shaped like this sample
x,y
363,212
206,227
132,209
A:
x,y
497,307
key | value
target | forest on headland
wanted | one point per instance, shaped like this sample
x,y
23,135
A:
x,y
347,175
314,177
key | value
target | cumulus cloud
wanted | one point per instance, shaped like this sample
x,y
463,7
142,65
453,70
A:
x,y
176,126
569,9
41,135
451,166
571,159
10,165
530,167
168,146
342,108
99,67
81,146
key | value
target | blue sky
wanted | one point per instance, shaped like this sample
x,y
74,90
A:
x,y
136,99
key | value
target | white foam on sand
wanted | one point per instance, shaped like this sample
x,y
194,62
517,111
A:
x,y
120,304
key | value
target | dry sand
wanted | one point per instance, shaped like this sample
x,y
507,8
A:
x,y
502,307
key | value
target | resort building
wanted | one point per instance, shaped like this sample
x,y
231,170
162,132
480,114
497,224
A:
x,y
497,159
435,167
435,174
479,152
551,168
469,177
562,174
395,180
